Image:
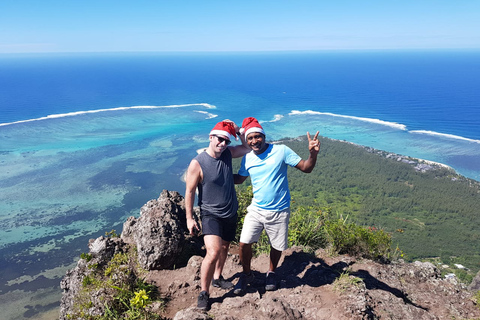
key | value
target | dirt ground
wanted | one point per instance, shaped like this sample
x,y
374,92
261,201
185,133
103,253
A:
x,y
310,288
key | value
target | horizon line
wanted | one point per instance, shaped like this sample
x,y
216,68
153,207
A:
x,y
248,51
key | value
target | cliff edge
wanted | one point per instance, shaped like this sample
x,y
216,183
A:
x,y
155,249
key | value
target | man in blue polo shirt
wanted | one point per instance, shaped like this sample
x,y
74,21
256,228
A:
x,y
267,167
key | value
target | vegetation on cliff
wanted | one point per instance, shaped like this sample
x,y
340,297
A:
x,y
118,283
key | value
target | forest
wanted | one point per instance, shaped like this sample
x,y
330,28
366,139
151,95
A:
x,y
430,215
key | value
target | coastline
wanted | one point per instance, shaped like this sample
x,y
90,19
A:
x,y
418,163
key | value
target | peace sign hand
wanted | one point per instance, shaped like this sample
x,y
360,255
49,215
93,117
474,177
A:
x,y
313,144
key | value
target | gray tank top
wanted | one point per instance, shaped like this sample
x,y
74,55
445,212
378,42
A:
x,y
216,193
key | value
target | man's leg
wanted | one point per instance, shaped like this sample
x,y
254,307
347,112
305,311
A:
x,y
218,280
246,276
221,259
246,257
213,244
275,256
277,232
251,231
271,281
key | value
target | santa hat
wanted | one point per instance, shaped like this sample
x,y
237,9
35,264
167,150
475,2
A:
x,y
226,129
250,125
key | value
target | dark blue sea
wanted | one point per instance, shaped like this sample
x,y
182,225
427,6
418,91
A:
x,y
87,139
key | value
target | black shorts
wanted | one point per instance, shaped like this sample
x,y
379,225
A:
x,y
225,228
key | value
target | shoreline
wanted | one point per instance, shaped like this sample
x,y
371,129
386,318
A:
x,y
387,155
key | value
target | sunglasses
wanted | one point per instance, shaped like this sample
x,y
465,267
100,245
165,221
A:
x,y
220,139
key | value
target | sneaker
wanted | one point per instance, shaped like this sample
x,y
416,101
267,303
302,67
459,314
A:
x,y
202,302
222,283
241,286
271,282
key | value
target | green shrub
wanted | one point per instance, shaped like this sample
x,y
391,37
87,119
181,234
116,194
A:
x,y
355,240
86,256
476,299
306,228
346,282
112,234
244,197
87,281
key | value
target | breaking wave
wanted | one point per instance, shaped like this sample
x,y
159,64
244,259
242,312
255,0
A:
x,y
78,113
376,121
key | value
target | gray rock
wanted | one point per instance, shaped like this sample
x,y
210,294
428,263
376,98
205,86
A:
x,y
191,314
159,232
475,285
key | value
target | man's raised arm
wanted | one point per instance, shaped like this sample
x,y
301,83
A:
x,y
314,147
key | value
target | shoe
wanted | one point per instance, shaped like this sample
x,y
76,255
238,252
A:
x,y
202,302
222,283
241,286
271,282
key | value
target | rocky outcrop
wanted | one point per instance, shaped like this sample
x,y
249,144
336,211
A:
x,y
475,285
159,232
160,237
312,286
102,250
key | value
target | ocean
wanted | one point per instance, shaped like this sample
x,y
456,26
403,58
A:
x,y
87,139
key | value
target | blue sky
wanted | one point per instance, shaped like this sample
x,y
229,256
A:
x,y
214,25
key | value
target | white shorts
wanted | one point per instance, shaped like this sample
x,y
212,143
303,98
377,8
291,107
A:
x,y
275,224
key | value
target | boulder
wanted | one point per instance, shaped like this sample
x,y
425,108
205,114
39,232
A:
x,y
159,232
475,285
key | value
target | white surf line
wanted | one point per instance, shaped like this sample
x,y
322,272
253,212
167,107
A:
x,y
276,118
208,114
377,121
76,113
444,135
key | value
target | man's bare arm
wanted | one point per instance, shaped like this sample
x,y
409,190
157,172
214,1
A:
x,y
194,176
238,179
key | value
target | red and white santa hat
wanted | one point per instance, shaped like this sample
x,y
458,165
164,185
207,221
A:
x,y
250,125
226,129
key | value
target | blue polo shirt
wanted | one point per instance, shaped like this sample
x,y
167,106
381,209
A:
x,y
268,172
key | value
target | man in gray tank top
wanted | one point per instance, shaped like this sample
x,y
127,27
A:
x,y
211,172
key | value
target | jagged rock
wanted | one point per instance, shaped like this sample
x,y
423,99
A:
x,y
159,235
277,309
102,250
475,285
159,232
191,314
